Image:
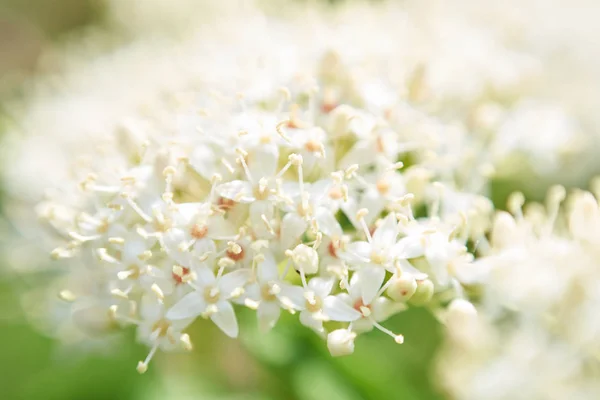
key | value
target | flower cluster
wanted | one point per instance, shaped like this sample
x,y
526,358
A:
x,y
541,295
285,207
298,167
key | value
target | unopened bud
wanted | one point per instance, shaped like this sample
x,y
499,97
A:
x,y
341,342
423,294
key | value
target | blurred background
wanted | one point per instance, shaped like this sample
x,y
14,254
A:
x,y
288,363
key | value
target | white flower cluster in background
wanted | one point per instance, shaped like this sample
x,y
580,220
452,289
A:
x,y
539,310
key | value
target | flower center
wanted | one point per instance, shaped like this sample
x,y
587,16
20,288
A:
x,y
377,257
179,278
211,294
332,248
134,271
163,225
379,145
267,294
359,306
304,209
236,256
261,192
383,186
314,304
199,231
335,193
103,227
225,204
313,146
328,106
161,327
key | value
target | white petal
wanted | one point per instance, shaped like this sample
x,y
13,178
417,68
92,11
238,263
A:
x,y
407,268
338,310
362,325
321,286
231,190
356,252
374,202
233,280
171,241
134,246
203,247
150,308
293,294
262,162
370,279
191,305
267,270
188,212
327,222
203,161
220,228
307,319
205,276
385,235
225,319
268,314
257,209
252,292
319,189
292,227
408,247
383,308
361,153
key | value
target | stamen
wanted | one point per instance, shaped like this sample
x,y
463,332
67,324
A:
x,y
120,294
104,256
251,304
116,240
280,131
186,342
81,238
67,295
360,216
397,338
143,365
515,204
263,217
136,207
242,162
158,292
228,166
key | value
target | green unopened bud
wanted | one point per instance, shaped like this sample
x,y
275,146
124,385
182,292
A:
x,y
423,294
402,289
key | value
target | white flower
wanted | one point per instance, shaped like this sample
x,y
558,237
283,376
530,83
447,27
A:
x,y
320,306
374,310
211,299
269,294
373,257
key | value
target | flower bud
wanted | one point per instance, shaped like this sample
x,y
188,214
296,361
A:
x,y
503,231
461,310
341,342
402,288
305,259
423,294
